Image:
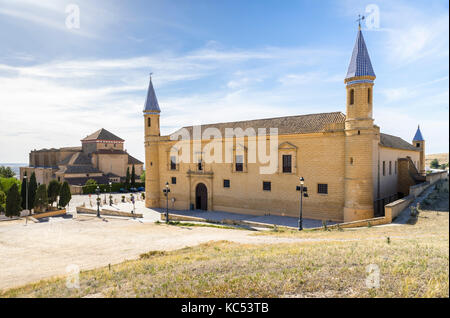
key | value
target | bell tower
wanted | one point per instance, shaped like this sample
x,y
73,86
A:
x,y
360,135
419,143
152,135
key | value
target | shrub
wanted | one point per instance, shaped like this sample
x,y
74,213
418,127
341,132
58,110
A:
x,y
91,182
41,200
54,187
64,195
13,199
6,183
2,201
6,172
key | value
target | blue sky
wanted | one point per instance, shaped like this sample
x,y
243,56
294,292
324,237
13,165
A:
x,y
213,61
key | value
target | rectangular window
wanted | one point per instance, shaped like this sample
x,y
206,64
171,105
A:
x,y
390,167
267,186
173,163
418,145
174,180
239,163
287,163
384,168
322,188
226,183
149,122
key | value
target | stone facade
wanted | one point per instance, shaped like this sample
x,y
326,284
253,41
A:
x,y
101,158
338,155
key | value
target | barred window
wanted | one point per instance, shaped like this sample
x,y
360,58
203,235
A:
x,y
226,183
322,188
174,180
287,163
267,186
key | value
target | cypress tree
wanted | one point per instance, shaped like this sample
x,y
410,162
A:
x,y
13,199
64,195
133,177
53,191
32,187
23,192
41,200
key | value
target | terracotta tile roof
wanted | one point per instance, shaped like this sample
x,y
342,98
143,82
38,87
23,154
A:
x,y
102,134
134,161
395,142
302,124
81,169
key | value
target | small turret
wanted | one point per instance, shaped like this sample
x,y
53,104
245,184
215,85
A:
x,y
419,143
152,134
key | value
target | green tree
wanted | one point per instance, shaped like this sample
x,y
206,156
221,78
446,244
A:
x,y
6,184
91,182
53,191
2,201
133,177
12,206
6,172
434,164
23,192
32,191
127,179
143,176
64,195
41,199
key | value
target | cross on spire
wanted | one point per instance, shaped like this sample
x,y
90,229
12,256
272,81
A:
x,y
360,18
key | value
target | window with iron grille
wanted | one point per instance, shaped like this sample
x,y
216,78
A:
x,y
267,186
239,163
287,163
174,180
322,188
173,163
226,183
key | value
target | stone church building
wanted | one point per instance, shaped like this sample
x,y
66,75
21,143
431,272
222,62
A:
x,y
350,168
101,157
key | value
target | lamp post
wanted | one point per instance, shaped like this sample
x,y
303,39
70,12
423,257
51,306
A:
x,y
26,197
110,195
98,200
303,193
166,193
132,200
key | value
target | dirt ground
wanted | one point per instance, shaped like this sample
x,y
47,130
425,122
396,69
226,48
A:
x,y
39,250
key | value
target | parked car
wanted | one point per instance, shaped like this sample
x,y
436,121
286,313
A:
x,y
141,189
122,190
133,190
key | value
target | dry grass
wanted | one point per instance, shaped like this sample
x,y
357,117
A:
x,y
441,157
413,262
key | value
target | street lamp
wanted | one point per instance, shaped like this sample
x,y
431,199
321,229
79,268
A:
x,y
132,200
166,193
110,195
303,193
98,200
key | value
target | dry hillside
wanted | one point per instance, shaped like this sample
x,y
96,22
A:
x,y
441,157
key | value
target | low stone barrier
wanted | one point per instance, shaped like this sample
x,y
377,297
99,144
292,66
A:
x,y
108,212
393,209
49,214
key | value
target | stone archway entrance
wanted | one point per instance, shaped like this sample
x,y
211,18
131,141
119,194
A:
x,y
201,197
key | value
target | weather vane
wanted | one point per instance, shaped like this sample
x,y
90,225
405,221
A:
x,y
151,73
360,18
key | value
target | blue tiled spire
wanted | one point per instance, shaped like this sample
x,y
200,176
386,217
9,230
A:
x,y
418,135
151,103
360,64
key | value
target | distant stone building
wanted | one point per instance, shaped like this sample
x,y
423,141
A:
x,y
101,157
351,169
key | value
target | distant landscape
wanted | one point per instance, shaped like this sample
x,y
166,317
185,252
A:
x,y
441,157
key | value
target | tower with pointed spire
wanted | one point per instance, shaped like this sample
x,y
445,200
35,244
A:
x,y
419,143
152,134
360,135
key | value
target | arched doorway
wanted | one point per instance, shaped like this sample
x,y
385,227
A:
x,y
201,197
